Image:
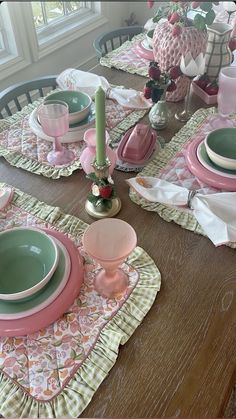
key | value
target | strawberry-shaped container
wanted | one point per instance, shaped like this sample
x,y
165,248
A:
x,y
170,41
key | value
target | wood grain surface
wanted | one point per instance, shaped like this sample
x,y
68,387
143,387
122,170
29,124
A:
x,y
181,360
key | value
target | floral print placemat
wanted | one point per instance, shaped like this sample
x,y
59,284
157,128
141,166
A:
x,y
22,148
55,372
126,58
170,165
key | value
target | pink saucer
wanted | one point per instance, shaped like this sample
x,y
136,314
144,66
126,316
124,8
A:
x,y
58,307
143,52
202,173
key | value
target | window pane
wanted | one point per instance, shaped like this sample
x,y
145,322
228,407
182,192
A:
x,y
54,10
46,12
72,6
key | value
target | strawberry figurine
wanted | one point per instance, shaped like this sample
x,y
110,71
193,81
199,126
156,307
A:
x,y
175,72
202,81
105,191
154,71
176,30
150,3
195,4
212,88
174,18
147,91
171,87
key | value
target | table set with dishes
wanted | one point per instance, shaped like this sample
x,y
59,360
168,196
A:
x,y
106,306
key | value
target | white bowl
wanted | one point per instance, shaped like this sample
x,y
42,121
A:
x,y
221,147
28,259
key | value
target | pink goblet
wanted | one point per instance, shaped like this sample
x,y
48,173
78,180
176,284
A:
x,y
226,99
110,241
54,119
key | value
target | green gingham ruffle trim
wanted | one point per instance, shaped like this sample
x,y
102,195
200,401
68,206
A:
x,y
78,393
110,60
18,160
182,217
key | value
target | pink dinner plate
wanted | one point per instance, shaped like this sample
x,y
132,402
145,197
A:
x,y
202,173
143,52
58,307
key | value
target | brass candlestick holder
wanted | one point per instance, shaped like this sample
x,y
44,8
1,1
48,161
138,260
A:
x,y
102,201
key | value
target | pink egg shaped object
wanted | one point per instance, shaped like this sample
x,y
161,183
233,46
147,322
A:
x,y
110,241
89,153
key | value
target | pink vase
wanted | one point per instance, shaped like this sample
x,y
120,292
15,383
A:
x,y
89,153
167,51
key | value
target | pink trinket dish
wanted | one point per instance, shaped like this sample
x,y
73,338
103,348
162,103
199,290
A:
x,y
137,145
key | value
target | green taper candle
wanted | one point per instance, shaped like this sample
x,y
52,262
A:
x,y
100,127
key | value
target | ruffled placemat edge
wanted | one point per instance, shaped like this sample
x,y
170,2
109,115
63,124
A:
x,y
78,393
109,60
18,160
181,217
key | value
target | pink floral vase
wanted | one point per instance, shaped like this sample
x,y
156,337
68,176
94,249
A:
x,y
89,153
167,51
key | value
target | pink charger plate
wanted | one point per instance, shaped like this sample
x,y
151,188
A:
x,y
58,307
202,173
143,52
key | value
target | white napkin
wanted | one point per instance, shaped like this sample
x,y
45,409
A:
x,y
6,194
83,81
214,212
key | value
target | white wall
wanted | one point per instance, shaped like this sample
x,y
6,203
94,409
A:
x,y
79,53
142,12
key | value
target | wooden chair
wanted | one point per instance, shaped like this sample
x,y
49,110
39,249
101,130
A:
x,y
110,40
15,97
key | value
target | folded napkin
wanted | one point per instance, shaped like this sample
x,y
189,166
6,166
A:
x,y
6,194
83,81
215,212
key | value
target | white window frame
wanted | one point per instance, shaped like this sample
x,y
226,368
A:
x,y
16,55
31,48
68,30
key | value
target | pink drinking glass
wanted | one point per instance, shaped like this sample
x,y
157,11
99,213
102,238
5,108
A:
x,y
54,119
226,99
110,241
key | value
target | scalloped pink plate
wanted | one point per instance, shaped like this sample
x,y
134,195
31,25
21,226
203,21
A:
x,y
202,173
144,52
58,307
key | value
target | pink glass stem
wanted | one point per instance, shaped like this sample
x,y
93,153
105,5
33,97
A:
x,y
57,145
109,283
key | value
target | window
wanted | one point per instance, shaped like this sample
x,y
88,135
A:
x,y
54,18
47,12
32,30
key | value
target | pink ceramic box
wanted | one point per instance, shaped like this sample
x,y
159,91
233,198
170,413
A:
x,y
208,99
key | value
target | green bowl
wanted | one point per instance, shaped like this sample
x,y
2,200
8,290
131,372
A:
x,y
28,259
221,147
79,103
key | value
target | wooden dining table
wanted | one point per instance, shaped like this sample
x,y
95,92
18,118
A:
x,y
181,360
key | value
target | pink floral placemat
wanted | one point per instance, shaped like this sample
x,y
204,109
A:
x,y
170,164
54,372
21,147
127,59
